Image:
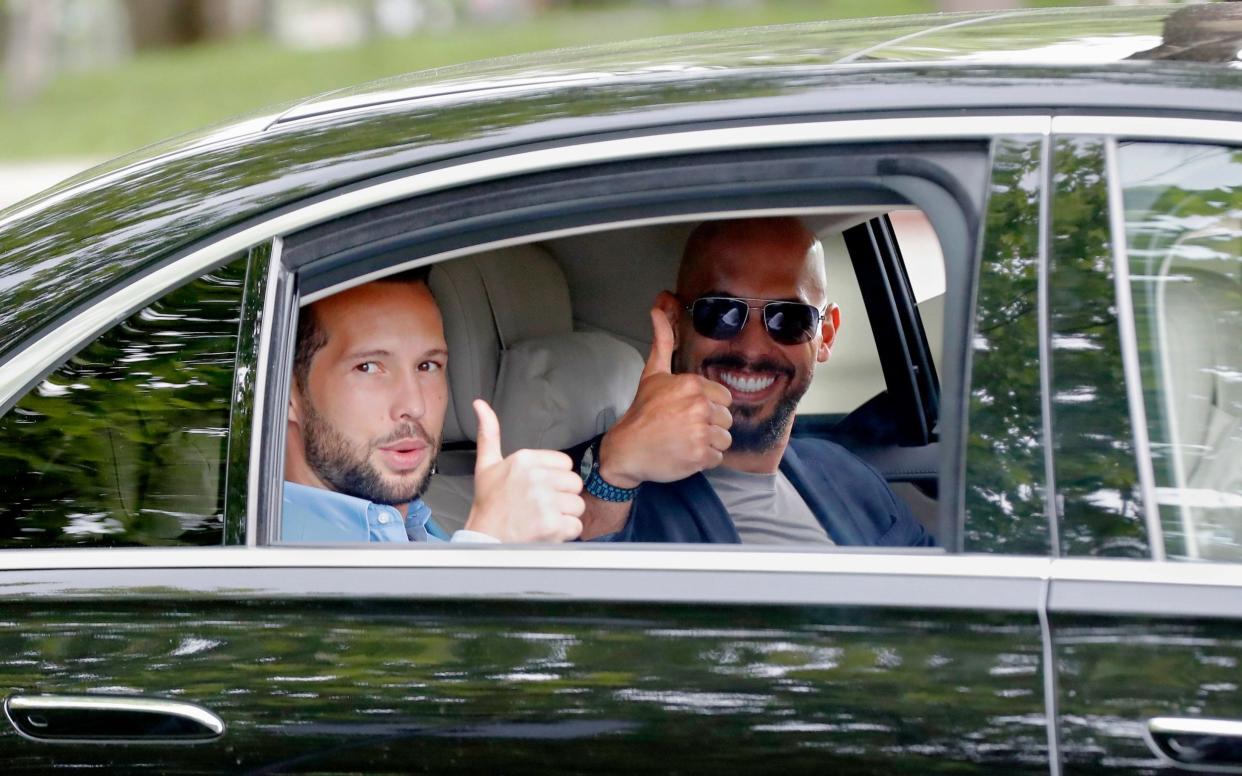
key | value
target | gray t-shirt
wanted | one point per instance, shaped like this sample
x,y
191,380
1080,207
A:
x,y
766,508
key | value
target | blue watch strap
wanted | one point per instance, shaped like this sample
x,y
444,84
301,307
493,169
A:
x,y
601,489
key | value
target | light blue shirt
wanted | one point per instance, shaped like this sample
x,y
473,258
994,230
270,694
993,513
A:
x,y
317,515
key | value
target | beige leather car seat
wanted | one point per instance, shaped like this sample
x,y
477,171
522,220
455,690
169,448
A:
x,y
510,332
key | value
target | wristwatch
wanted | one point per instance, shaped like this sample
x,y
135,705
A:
x,y
596,485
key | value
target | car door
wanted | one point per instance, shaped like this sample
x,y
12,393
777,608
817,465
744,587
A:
x,y
1144,313
578,658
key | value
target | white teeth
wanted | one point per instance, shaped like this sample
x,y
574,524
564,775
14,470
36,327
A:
x,y
745,384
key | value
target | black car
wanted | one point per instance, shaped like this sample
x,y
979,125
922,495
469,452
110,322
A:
x,y
1034,229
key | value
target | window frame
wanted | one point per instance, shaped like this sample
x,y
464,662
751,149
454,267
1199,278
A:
x,y
907,171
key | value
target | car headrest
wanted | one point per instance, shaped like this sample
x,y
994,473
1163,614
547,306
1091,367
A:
x,y
555,392
509,328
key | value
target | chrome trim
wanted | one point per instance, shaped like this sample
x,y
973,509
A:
x,y
633,557
257,419
1216,728
1143,127
1129,353
106,703
36,360
1142,572
282,337
1193,726
1142,588
1052,714
744,577
1044,325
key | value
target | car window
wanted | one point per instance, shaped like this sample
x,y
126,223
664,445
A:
x,y
1183,225
125,444
555,334
548,320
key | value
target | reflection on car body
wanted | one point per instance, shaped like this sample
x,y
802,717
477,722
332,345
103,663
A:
x,y
1052,393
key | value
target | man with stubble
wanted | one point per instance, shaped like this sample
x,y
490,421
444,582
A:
x,y
704,453
366,411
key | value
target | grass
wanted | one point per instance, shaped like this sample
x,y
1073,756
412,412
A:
x,y
156,95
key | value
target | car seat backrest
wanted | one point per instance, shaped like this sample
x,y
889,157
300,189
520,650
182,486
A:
x,y
509,328
489,302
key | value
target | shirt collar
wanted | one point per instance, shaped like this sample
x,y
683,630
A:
x,y
417,514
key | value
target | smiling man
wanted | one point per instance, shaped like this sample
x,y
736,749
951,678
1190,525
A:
x,y
704,453
366,412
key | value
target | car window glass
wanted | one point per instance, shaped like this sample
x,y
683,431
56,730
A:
x,y
1005,479
1183,221
125,443
1094,468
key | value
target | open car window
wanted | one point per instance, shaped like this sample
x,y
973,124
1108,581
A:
x,y
551,322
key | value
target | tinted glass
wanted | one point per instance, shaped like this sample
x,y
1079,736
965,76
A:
x,y
125,443
1094,461
1183,215
1005,488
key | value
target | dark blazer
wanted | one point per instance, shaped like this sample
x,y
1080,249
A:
x,y
849,498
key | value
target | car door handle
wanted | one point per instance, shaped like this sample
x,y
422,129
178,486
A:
x,y
1213,744
110,719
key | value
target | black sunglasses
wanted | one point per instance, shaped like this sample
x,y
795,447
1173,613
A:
x,y
724,317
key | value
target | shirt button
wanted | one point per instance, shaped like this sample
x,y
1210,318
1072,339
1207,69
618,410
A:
x,y
383,518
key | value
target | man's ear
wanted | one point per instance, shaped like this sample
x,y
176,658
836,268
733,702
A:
x,y
829,328
295,404
667,303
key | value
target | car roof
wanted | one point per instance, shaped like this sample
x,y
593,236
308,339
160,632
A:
x,y
128,216
1050,36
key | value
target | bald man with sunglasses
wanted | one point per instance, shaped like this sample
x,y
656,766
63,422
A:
x,y
704,453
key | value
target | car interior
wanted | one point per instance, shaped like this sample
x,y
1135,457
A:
x,y
554,333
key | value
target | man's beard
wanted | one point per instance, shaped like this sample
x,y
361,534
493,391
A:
x,y
350,471
753,434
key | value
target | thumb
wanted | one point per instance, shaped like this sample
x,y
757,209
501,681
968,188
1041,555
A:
x,y
487,443
661,359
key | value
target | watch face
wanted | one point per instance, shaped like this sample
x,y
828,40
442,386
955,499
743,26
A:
x,y
588,463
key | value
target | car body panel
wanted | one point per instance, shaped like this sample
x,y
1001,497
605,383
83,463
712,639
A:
x,y
1131,646
439,660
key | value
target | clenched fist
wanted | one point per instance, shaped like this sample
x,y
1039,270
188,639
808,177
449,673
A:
x,y
531,496
678,424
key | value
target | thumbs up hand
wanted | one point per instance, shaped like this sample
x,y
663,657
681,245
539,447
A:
x,y
530,496
678,424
